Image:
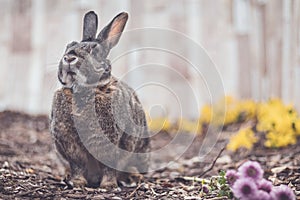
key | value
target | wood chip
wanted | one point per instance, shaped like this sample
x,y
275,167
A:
x,y
277,170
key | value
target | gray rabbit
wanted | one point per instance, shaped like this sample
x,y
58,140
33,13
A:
x,y
97,122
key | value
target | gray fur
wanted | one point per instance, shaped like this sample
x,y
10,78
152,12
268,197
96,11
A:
x,y
90,25
97,122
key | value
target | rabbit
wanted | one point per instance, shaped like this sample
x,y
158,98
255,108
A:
x,y
97,122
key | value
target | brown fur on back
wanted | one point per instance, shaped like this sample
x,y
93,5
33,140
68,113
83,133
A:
x,y
98,113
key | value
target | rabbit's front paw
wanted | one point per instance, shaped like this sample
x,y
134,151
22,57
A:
x,y
93,182
130,177
108,182
77,181
109,178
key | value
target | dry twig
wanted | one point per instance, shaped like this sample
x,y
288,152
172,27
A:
x,y
213,164
134,191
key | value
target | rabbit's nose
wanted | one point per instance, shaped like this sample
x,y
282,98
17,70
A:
x,y
70,59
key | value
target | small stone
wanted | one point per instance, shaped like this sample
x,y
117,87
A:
x,y
224,159
174,175
77,189
89,189
108,196
116,198
277,170
174,165
118,189
76,196
29,171
98,196
102,190
5,165
192,198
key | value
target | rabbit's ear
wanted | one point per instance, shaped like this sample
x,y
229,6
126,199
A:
x,y
110,34
90,25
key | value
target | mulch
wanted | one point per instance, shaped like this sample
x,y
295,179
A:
x,y
30,168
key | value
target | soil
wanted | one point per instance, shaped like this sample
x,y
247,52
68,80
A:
x,y
30,168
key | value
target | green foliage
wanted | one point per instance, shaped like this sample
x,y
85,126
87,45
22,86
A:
x,y
224,189
216,185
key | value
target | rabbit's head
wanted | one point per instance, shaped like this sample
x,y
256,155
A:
x,y
85,63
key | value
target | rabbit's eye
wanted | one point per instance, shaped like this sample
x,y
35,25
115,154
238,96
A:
x,y
87,48
72,52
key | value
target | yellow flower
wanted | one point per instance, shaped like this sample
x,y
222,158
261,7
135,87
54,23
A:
x,y
159,124
228,111
206,114
279,121
185,125
244,138
221,113
229,100
231,116
280,139
297,126
248,108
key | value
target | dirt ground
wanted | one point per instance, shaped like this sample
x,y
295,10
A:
x,y
30,169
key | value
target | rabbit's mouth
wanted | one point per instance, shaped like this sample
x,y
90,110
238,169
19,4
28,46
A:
x,y
67,78
71,73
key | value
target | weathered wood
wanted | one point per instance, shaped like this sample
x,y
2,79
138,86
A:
x,y
255,45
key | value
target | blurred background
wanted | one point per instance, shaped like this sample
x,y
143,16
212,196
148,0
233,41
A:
x,y
255,45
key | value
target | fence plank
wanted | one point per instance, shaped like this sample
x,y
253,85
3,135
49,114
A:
x,y
255,45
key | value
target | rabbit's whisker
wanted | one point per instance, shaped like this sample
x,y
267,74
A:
x,y
51,68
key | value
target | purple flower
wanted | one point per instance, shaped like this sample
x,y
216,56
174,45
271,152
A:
x,y
205,189
251,169
265,185
262,195
231,176
282,192
244,188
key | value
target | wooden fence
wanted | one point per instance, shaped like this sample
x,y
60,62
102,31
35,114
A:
x,y
255,45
